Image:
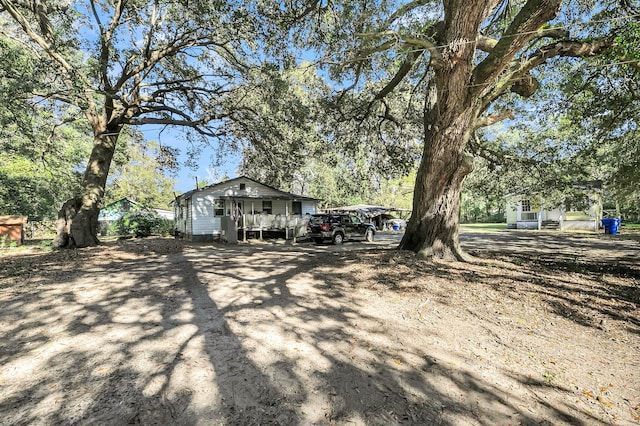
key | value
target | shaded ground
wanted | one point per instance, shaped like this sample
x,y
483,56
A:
x,y
164,332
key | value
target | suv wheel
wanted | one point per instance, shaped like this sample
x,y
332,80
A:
x,y
338,238
368,236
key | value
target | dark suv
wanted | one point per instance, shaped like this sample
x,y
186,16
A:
x,y
339,227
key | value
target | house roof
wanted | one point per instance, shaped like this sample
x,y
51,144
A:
x,y
583,184
114,210
13,220
119,203
281,194
365,209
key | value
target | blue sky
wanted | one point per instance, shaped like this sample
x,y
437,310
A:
x,y
205,171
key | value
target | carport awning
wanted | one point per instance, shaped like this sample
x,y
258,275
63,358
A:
x,y
265,197
365,209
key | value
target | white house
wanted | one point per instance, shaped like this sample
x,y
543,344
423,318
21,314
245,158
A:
x,y
532,211
240,206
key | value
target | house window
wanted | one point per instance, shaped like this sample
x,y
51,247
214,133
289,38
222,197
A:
x,y
218,208
243,186
266,207
296,207
527,214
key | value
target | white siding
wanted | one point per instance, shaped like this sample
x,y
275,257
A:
x,y
189,217
200,219
252,189
203,221
554,214
512,211
280,206
308,207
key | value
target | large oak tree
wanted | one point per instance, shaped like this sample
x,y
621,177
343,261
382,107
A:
x,y
464,58
129,63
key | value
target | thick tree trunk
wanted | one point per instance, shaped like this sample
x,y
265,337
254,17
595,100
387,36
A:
x,y
78,219
432,230
450,113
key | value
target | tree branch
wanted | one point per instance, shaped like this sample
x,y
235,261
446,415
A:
x,y
518,79
402,10
486,44
488,120
422,44
71,76
400,74
524,27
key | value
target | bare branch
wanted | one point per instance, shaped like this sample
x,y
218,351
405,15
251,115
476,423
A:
x,y
402,11
488,120
523,28
422,44
400,74
486,44
518,79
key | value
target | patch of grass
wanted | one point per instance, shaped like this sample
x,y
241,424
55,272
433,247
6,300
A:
x,y
629,231
6,242
479,227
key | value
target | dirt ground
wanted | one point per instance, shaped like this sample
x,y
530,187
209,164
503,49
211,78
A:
x,y
542,329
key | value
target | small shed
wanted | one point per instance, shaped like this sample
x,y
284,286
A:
x,y
12,228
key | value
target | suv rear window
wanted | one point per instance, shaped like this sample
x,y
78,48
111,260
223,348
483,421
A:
x,y
324,218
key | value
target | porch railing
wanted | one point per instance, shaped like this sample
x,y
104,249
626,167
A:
x,y
529,216
293,225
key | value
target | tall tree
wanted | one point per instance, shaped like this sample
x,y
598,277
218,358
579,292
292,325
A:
x,y
464,58
139,172
127,63
292,138
40,152
608,110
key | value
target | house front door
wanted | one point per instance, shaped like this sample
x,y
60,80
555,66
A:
x,y
238,210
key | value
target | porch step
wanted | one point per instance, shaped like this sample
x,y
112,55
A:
x,y
550,224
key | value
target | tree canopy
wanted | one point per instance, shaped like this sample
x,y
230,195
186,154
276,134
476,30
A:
x,y
139,173
470,65
394,84
40,153
131,63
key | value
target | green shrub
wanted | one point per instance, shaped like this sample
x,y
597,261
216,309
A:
x,y
142,223
6,242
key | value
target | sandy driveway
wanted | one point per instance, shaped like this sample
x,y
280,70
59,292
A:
x,y
162,332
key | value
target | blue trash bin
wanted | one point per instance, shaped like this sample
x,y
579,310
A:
x,y
611,225
615,225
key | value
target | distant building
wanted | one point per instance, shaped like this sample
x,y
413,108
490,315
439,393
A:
x,y
12,229
114,211
530,211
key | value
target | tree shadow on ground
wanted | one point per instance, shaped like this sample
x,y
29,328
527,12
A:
x,y
585,280
145,333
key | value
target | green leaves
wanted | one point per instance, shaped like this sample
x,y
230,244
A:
x,y
141,171
626,51
142,223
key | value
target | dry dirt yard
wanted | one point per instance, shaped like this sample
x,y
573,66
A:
x,y
542,329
